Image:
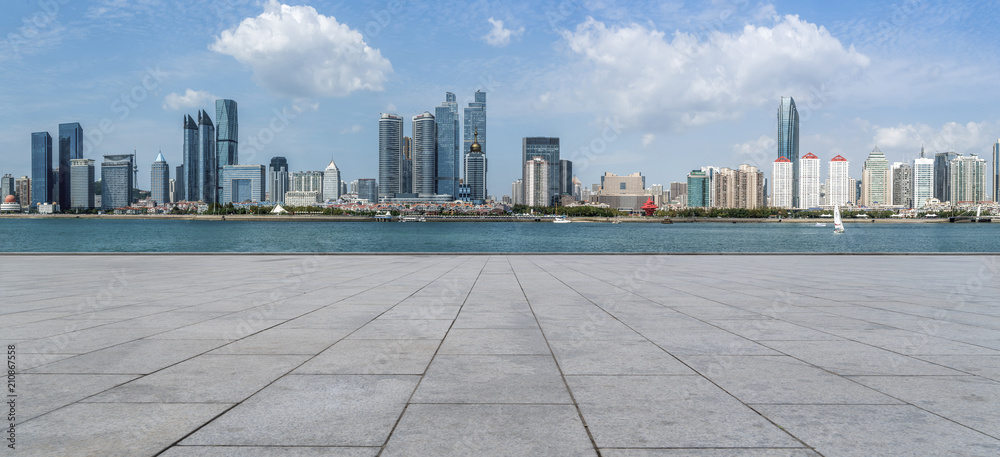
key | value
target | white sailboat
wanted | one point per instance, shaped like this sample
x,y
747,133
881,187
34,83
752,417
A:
x,y
838,225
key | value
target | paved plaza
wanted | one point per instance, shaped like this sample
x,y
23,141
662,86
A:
x,y
508,355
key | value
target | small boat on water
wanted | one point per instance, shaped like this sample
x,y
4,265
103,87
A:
x,y
838,225
561,220
821,224
412,219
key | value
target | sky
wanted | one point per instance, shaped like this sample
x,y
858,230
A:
x,y
659,87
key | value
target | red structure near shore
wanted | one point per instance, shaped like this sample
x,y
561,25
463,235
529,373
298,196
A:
x,y
649,207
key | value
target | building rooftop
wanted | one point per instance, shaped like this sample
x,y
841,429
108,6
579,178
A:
x,y
386,355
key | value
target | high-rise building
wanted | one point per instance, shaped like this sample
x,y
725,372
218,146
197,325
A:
x,y
839,192
632,184
788,142
243,183
968,179
875,180
781,183
331,182
81,177
902,185
7,186
446,117
475,173
699,189
742,188
116,181
160,180
406,167
70,147
308,181
808,181
209,160
475,122
548,149
680,188
41,168
23,191
368,190
565,177
226,133
424,153
390,155
180,188
942,175
996,171
172,195
192,162
923,180
536,182
517,192
278,179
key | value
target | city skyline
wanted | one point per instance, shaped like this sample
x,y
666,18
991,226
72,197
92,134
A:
x,y
943,102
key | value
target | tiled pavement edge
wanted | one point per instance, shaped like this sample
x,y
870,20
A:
x,y
305,355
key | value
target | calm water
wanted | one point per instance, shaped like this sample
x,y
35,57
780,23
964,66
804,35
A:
x,y
89,235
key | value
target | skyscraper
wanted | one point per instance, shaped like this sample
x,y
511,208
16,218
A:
x,y
209,160
781,183
942,175
968,179
923,180
243,183
996,171
548,149
160,180
788,141
390,154
406,167
308,181
446,117
424,153
41,168
475,121
475,173
809,181
70,147
517,192
116,181
331,182
192,161
840,191
699,189
565,177
7,186
81,183
180,188
23,192
875,180
368,189
741,188
902,185
536,181
227,133
278,179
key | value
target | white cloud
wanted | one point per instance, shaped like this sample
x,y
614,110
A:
x,y
647,139
352,129
652,81
971,138
499,36
191,99
297,52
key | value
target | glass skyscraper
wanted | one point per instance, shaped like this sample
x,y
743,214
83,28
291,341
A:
x,y
788,141
876,180
446,117
475,121
279,179
699,189
548,149
116,181
81,183
243,183
942,175
565,177
192,161
996,171
390,155
70,147
180,188
424,153
160,180
209,160
41,168
226,135
923,180
331,182
367,189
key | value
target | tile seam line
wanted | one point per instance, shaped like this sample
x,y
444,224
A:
x,y
481,253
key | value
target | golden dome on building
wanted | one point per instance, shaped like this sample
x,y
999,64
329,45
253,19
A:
x,y
475,142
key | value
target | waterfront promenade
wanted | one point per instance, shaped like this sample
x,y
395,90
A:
x,y
513,355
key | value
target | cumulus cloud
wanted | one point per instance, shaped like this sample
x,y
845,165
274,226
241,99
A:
x,y
498,35
644,76
190,99
647,139
295,51
970,138
352,129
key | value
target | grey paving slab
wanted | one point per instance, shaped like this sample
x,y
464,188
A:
x,y
782,379
43,393
473,318
112,429
135,357
415,329
88,340
853,358
492,379
427,311
772,452
281,340
467,430
512,341
705,341
669,411
866,430
771,329
222,328
268,451
373,357
584,357
204,379
313,410
985,366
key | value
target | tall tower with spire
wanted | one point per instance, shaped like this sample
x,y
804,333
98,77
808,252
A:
x,y
475,171
160,180
788,142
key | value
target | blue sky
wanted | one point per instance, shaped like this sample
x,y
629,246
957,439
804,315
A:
x,y
658,87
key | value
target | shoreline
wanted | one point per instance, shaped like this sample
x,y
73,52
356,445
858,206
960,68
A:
x,y
323,218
